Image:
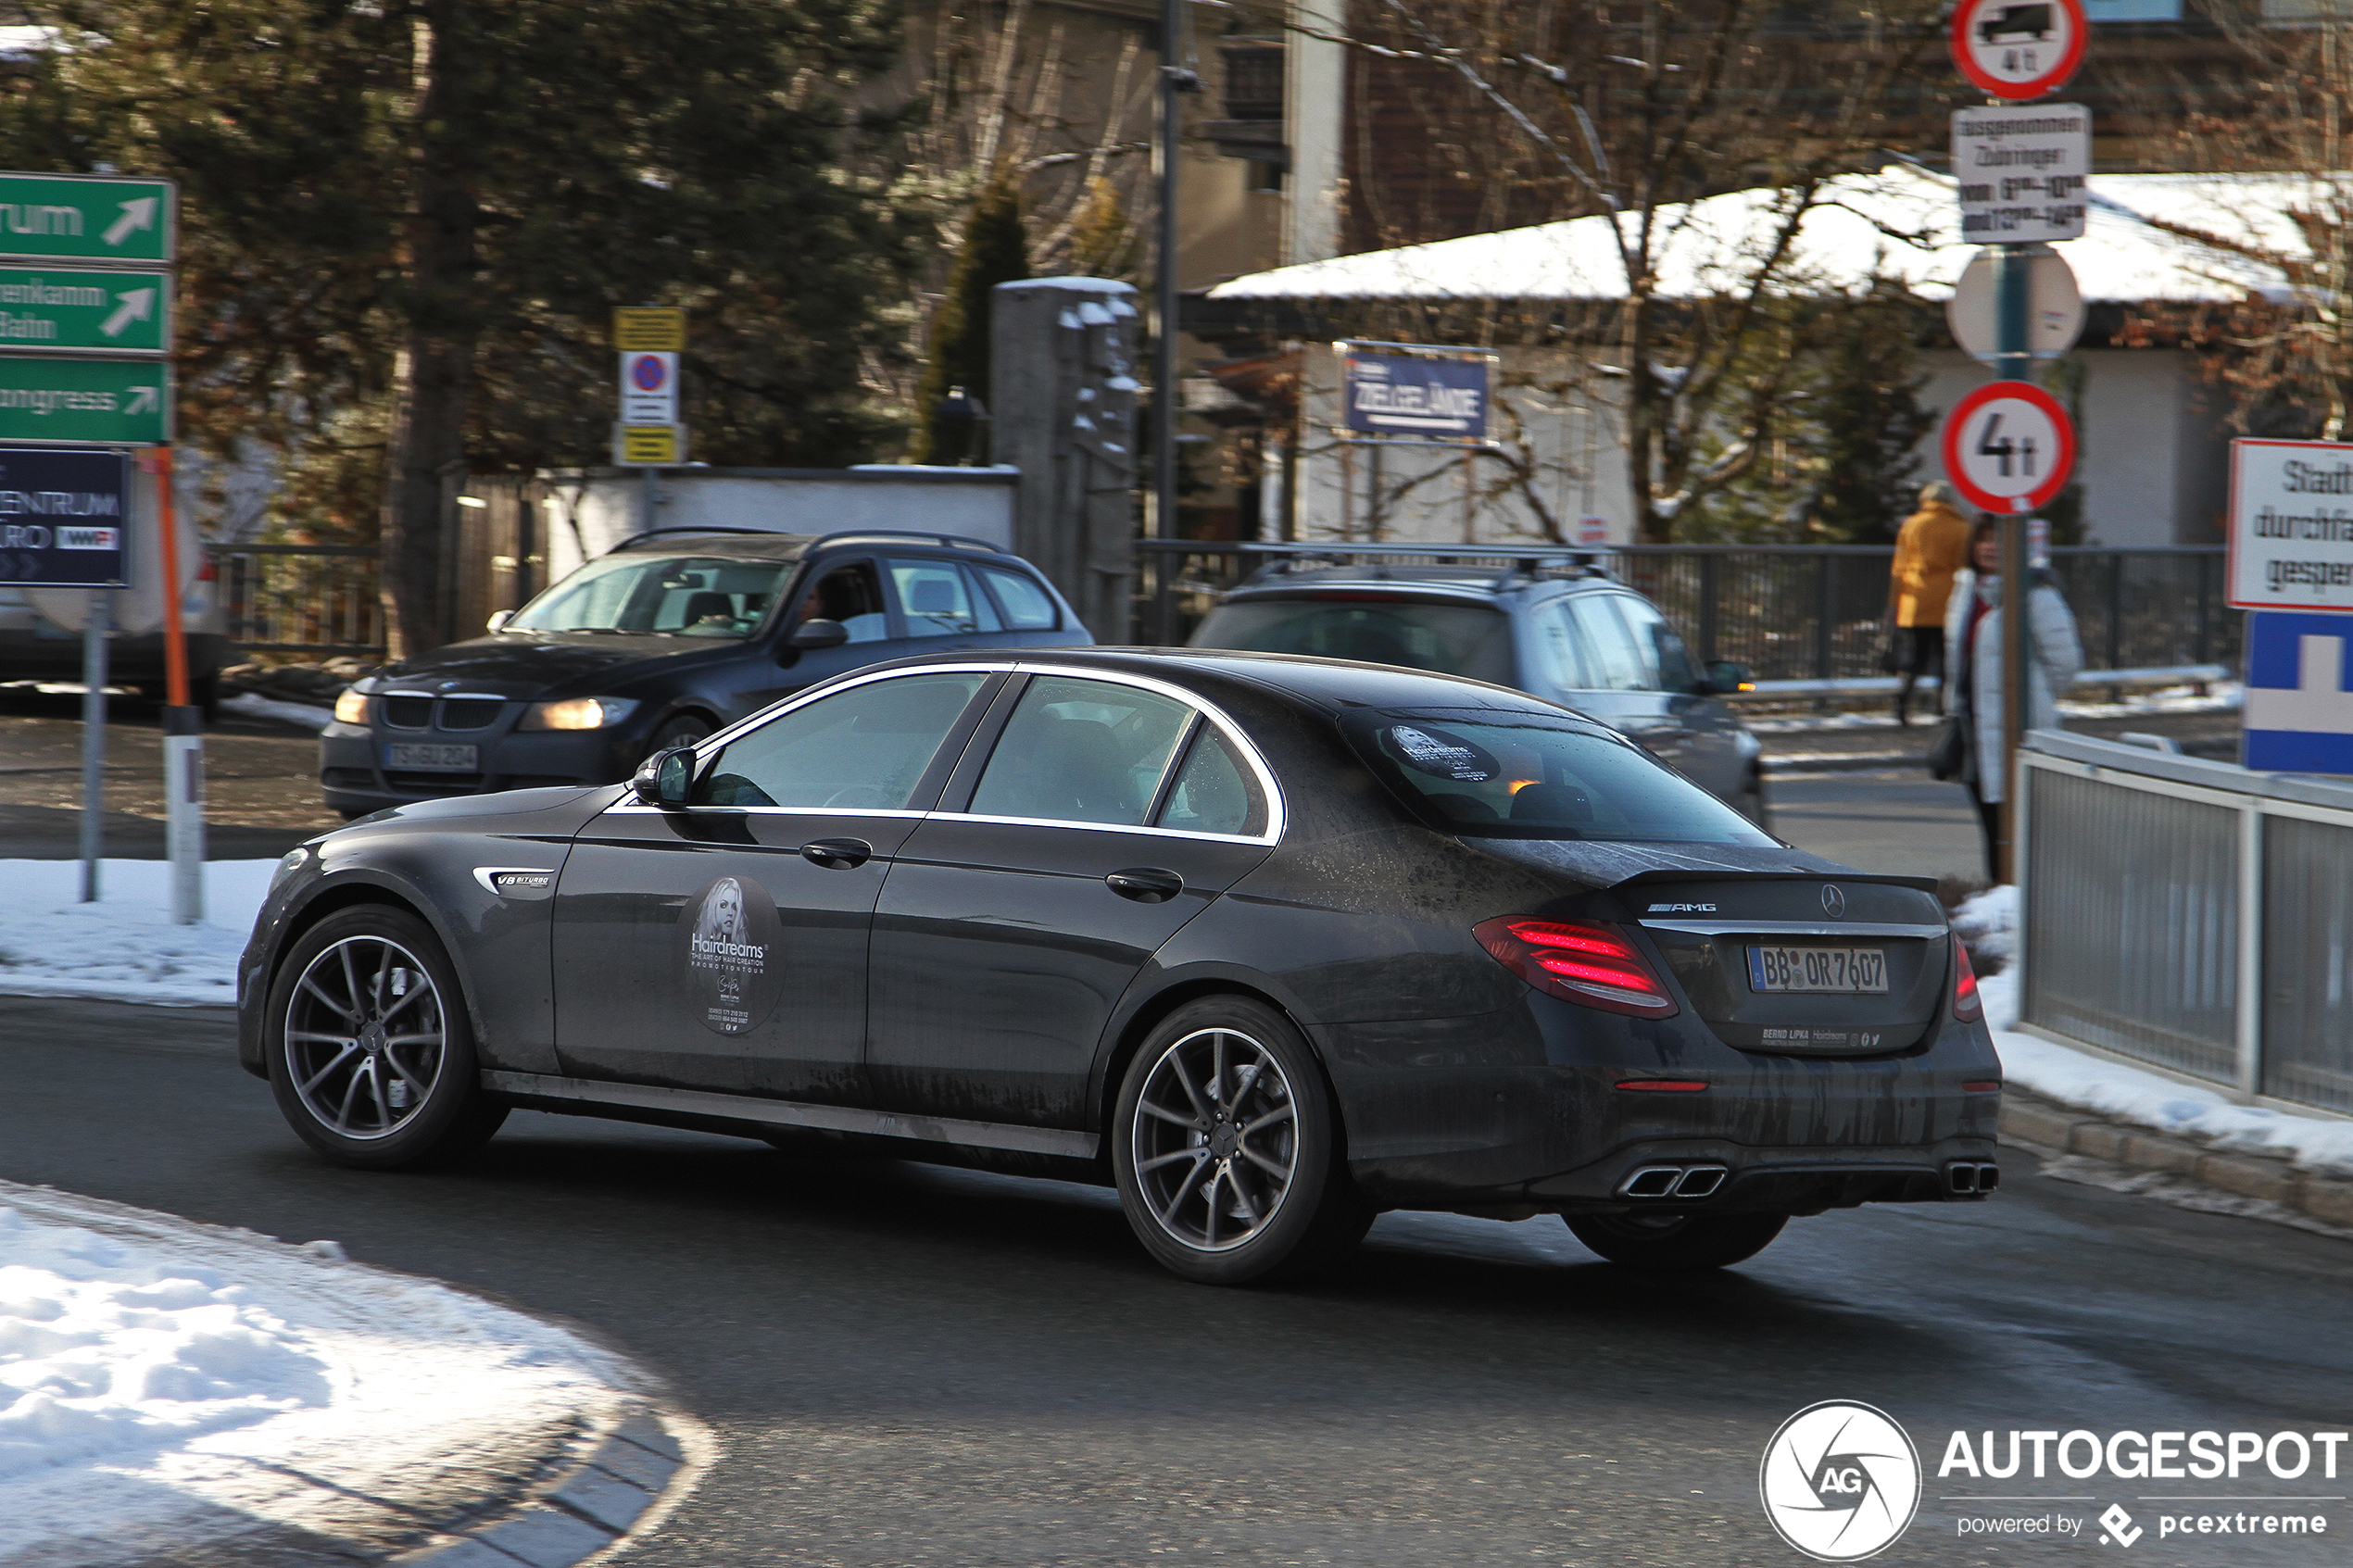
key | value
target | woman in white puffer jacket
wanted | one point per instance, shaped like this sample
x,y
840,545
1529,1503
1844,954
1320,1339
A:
x,y
1973,669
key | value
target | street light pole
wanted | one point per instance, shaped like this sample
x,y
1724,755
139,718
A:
x,y
1175,81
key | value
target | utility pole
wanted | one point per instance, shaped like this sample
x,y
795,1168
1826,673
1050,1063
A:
x,y
1176,81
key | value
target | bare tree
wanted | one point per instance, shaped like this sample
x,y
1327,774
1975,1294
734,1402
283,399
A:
x,y
1631,112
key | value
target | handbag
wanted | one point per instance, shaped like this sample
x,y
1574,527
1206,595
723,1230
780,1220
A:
x,y
1949,751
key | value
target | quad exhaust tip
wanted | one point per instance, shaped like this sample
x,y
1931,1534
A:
x,y
1967,1178
1674,1181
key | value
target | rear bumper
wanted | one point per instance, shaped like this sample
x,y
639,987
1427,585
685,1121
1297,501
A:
x,y
1524,1108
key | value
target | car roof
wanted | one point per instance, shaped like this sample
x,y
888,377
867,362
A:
x,y
759,543
1331,685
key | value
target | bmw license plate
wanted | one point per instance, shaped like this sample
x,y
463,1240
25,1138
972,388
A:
x,y
1853,971
426,757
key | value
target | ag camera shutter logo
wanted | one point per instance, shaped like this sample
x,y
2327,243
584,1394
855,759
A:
x,y
1841,1481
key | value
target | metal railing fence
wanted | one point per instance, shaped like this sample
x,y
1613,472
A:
x,y
1787,612
2192,915
301,598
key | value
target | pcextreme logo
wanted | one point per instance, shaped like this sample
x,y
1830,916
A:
x,y
1841,1481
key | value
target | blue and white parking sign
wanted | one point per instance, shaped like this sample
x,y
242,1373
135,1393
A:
x,y
2299,693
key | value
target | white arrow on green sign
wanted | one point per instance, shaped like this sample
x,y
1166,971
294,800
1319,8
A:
x,y
42,307
85,402
87,217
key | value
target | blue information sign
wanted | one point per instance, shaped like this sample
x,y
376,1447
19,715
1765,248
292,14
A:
x,y
1438,397
2299,697
62,517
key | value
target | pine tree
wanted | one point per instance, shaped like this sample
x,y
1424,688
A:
x,y
432,207
1102,242
995,250
1866,406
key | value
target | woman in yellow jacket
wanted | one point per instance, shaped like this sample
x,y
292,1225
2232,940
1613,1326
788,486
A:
x,y
1933,546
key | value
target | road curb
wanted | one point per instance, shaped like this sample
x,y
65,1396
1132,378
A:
x,y
2047,1126
627,1482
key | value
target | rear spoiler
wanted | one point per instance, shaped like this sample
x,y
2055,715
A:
x,y
1920,884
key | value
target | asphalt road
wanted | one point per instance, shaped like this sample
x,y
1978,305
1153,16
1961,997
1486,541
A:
x,y
913,1366
1902,823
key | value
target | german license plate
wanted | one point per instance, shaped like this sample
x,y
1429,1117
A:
x,y
1853,971
427,757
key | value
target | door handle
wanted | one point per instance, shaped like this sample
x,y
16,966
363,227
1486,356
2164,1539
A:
x,y
1146,885
836,854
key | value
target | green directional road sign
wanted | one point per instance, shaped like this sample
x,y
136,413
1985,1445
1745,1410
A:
x,y
87,217
84,402
125,312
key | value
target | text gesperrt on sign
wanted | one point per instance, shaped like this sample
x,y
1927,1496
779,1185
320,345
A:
x,y
62,517
2021,172
1439,394
2291,525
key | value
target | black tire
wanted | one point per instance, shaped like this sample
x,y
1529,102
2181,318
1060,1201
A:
x,y
1264,1132
402,1088
1677,1241
679,728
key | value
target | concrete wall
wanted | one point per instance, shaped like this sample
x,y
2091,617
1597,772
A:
x,y
594,510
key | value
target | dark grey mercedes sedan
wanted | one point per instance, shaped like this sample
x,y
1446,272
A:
x,y
1269,943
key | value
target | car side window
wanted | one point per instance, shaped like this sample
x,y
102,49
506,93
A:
x,y
1669,662
1082,751
937,601
1614,661
1213,791
852,594
1561,658
862,749
1027,606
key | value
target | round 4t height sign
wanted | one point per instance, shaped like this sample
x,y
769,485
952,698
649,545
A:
x,y
2019,51
2009,446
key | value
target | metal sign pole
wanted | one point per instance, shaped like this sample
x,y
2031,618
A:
x,y
182,723
93,737
2014,361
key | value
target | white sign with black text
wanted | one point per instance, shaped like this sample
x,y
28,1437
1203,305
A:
x,y
2022,171
2291,525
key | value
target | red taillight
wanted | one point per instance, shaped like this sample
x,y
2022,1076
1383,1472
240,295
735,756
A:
x,y
1974,1086
1966,1006
1665,1086
1592,965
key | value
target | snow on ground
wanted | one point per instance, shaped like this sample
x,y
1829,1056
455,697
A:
x,y
125,947
254,706
166,1382
1988,923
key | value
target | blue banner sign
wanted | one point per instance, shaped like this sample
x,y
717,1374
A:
x,y
62,521
2298,716
1422,395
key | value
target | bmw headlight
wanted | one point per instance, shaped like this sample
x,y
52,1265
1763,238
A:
x,y
351,707
577,713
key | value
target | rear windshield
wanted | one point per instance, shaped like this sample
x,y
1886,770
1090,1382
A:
x,y
678,595
1375,628
1529,775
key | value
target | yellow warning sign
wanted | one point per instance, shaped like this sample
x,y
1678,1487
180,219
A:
x,y
654,446
650,329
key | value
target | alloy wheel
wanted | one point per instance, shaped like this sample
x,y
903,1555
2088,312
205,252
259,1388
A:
x,y
1216,1139
365,1037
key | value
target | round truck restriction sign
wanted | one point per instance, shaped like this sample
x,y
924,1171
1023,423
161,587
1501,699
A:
x,y
2009,446
2016,50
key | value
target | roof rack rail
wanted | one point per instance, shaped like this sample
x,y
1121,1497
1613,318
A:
x,y
709,528
960,540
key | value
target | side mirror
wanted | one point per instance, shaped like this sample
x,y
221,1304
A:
x,y
499,617
666,778
1725,677
819,633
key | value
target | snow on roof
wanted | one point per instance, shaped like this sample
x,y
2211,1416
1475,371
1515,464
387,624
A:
x,y
1901,222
